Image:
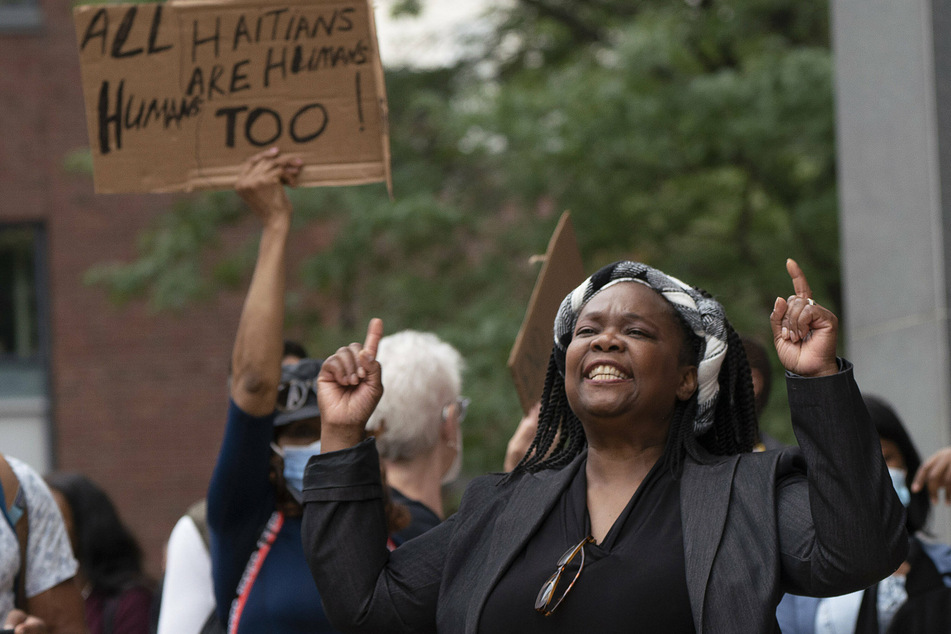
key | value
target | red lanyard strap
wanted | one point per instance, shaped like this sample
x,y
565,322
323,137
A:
x,y
251,571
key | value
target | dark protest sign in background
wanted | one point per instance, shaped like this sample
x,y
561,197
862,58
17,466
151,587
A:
x,y
561,272
179,94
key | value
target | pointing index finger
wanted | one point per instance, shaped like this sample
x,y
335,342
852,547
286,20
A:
x,y
800,285
374,334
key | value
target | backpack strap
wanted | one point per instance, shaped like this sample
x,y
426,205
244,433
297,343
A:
x,y
212,625
13,503
198,512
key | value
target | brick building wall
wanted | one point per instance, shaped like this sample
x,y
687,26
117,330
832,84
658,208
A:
x,y
138,400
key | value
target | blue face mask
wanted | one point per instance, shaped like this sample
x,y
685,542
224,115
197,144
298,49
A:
x,y
901,487
295,460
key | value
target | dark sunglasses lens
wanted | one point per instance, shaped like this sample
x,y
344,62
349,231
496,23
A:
x,y
569,555
543,602
544,595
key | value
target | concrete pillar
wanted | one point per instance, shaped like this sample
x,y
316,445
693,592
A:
x,y
893,115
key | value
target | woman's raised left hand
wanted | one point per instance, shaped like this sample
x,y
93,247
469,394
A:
x,y
805,333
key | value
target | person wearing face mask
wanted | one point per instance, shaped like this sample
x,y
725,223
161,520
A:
x,y
927,568
296,426
188,597
261,579
417,424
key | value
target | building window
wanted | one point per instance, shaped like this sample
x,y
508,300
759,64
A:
x,y
20,16
25,430
19,331
23,322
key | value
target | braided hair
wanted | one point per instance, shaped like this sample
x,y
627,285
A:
x,y
719,418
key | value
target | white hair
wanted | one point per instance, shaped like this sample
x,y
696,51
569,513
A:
x,y
421,375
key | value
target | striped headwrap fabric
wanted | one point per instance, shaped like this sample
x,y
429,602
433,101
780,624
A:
x,y
703,315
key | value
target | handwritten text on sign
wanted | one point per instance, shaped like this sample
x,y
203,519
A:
x,y
178,95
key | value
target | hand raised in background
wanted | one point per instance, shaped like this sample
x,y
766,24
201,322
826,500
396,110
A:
x,y
522,439
261,183
935,474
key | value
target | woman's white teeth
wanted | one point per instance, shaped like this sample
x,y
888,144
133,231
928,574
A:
x,y
606,373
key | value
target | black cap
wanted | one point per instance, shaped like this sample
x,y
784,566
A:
x,y
304,371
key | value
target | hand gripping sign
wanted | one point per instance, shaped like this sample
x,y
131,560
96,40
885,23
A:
x,y
179,94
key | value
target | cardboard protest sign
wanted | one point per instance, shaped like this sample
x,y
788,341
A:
x,y
561,272
179,94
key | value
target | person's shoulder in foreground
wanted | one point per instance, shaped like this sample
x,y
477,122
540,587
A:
x,y
52,601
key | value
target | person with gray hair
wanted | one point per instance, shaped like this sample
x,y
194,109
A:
x,y
417,423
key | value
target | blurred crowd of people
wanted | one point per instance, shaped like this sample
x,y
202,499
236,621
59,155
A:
x,y
325,508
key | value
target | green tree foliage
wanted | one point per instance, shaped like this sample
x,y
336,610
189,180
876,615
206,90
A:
x,y
695,135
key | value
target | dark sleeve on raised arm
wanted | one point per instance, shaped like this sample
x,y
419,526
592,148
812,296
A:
x,y
364,587
842,527
240,500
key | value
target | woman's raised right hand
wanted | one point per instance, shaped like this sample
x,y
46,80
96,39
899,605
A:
x,y
349,387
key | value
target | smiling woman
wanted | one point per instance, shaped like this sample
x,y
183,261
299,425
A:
x,y
640,476
677,340
624,362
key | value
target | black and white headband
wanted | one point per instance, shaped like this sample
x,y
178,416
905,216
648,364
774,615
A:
x,y
704,315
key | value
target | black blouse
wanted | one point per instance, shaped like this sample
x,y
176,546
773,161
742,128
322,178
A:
x,y
633,581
